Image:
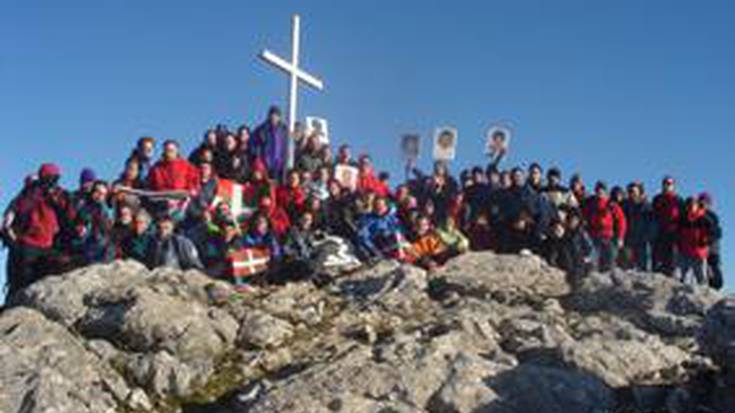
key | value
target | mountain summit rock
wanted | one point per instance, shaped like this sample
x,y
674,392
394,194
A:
x,y
485,333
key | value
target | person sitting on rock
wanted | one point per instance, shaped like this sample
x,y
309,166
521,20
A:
x,y
481,235
520,236
457,242
299,250
172,250
557,249
94,223
137,243
291,195
427,249
377,229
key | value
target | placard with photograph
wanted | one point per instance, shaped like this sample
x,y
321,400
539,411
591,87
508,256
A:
x,y
410,147
445,143
319,127
347,176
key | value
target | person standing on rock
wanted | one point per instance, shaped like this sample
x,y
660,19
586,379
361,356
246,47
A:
x,y
30,227
715,277
639,216
693,243
667,212
606,225
270,143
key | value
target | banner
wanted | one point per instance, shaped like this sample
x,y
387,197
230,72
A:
x,y
319,127
153,194
445,143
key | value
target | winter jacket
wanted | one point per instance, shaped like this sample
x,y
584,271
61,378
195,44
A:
x,y
374,229
560,197
715,231
640,225
428,246
36,216
96,243
667,210
136,247
291,199
454,239
694,235
175,175
367,182
605,219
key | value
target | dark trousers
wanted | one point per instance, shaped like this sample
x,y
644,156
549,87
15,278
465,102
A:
x,y
715,277
664,254
606,254
26,265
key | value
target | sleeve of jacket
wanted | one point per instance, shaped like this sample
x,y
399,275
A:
x,y
622,223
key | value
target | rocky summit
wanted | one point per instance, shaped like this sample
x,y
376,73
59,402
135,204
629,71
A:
x,y
485,333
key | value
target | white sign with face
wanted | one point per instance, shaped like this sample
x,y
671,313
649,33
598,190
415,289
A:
x,y
497,140
410,147
319,127
445,143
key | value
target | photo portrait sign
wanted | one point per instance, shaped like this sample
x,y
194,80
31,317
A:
x,y
497,139
347,176
319,127
410,147
445,143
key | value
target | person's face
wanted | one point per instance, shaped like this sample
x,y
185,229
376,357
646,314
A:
x,y
669,186
230,143
244,136
535,175
334,189
165,228
315,204
170,152
211,138
323,174
634,193
258,175
380,206
140,226
261,226
423,226
126,216
506,180
307,220
601,193
275,118
207,156
294,179
345,154
494,178
147,149
554,180
132,170
518,179
478,177
206,172
99,193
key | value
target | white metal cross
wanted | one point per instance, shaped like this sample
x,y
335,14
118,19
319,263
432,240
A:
x,y
297,74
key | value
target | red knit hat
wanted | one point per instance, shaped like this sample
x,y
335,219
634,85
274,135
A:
x,y
49,170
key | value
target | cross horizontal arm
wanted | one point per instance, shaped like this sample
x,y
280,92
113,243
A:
x,y
287,67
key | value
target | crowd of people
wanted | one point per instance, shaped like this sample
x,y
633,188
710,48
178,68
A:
x,y
170,212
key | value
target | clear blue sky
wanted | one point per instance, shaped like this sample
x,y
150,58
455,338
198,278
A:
x,y
617,90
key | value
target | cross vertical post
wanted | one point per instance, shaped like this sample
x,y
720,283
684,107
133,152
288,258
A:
x,y
296,74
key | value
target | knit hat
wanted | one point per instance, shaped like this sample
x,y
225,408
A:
x,y
87,176
48,170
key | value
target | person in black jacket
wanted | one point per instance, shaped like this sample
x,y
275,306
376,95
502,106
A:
x,y
558,249
715,277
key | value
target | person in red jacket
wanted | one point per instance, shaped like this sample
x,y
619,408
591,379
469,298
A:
x,y
291,195
667,213
30,227
693,242
368,182
277,216
606,226
173,173
259,185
